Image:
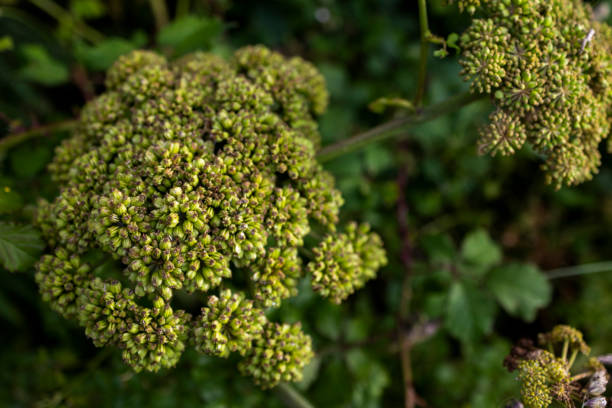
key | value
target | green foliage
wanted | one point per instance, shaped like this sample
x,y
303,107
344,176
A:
x,y
475,281
366,50
41,67
479,250
470,313
20,245
521,289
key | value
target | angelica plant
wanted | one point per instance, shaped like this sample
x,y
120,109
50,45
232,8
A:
x,y
547,65
545,372
186,173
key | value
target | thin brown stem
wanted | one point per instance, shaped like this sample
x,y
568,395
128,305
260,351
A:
x,y
406,258
160,13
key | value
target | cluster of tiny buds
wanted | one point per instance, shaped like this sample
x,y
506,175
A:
x,y
547,65
200,176
545,374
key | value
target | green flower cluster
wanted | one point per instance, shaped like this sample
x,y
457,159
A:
x,y
273,355
545,374
198,175
565,337
548,66
343,262
543,379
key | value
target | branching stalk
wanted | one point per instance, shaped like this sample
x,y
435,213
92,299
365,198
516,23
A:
x,y
397,127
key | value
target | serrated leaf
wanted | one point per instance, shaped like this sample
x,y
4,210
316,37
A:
x,y
469,312
189,33
478,249
20,246
521,289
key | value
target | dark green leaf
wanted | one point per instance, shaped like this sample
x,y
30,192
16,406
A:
x,y
469,313
521,289
439,248
20,246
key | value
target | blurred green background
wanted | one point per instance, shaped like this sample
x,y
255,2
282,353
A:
x,y
480,229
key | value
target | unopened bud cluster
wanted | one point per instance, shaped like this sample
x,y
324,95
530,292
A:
x,y
545,374
191,175
343,262
548,66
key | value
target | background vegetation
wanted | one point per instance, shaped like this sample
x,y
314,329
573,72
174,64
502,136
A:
x,y
467,235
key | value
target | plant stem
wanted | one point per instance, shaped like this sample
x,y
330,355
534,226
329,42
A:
x,y
578,270
61,15
290,397
406,259
397,127
17,138
564,350
424,54
581,376
160,12
570,363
